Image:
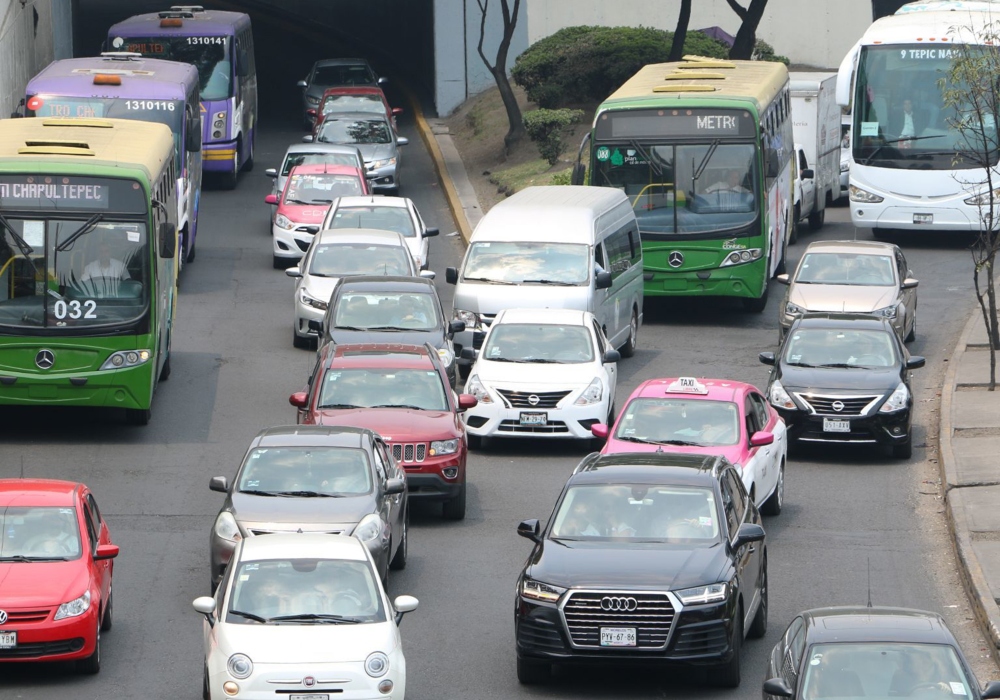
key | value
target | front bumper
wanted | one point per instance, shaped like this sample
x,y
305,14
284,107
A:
x,y
118,388
219,157
572,421
743,281
47,639
345,681
382,179
952,215
883,429
303,315
290,243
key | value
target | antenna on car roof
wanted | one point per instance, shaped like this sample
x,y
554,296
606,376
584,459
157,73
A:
x,y
869,582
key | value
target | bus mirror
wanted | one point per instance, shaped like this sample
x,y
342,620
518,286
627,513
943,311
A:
x,y
168,240
579,172
193,144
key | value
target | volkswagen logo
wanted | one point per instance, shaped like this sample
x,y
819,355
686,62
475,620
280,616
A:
x,y
620,603
675,259
45,359
3,616
837,406
533,399
309,681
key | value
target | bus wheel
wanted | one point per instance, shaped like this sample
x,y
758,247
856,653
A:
x,y
229,179
191,251
137,416
793,237
757,305
248,166
165,370
780,269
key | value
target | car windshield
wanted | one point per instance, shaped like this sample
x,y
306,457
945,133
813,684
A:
x,y
682,421
386,388
337,471
292,160
321,188
884,670
304,592
356,74
341,259
39,533
336,130
396,219
528,262
539,342
416,311
353,103
637,512
853,269
834,347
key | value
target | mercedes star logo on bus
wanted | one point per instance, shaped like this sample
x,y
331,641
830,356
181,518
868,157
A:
x,y
675,259
609,603
45,359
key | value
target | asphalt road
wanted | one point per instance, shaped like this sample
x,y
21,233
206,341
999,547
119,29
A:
x,y
234,367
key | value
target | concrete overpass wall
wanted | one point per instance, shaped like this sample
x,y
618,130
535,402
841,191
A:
x,y
31,36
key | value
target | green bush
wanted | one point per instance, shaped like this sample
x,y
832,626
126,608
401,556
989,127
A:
x,y
563,177
586,64
546,128
763,51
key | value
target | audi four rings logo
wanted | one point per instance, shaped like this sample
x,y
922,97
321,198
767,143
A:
x,y
3,616
309,681
837,406
45,359
609,603
675,259
533,400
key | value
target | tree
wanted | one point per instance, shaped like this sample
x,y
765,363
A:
x,y
680,34
746,37
883,8
498,69
969,90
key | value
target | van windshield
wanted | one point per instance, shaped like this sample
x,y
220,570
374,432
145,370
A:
x,y
528,262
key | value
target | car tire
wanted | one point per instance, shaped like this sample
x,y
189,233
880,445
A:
x,y
108,620
758,628
398,562
302,343
780,269
816,220
912,335
137,416
206,693
904,450
628,349
772,506
728,675
281,263
531,672
455,508
92,664
464,371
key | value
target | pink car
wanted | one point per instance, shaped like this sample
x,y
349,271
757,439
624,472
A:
x,y
707,416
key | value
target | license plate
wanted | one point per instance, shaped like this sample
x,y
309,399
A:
x,y
534,418
923,218
618,636
8,640
310,696
836,426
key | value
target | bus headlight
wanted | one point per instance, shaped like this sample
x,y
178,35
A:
x,y
983,198
742,257
864,196
124,359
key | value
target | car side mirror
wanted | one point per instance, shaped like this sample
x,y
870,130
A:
x,y
293,272
302,84
915,362
600,430
271,199
394,486
311,112
748,532
779,688
382,82
451,275
219,483
457,327
761,438
106,551
271,172
192,138
468,354
991,691
611,356
602,280
466,401
766,358
402,141
308,138
429,232
315,325
168,240
403,605
299,399
783,279
530,529
910,283
808,174
206,606
428,274
396,111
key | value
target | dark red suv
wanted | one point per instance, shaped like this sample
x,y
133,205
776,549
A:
x,y
402,393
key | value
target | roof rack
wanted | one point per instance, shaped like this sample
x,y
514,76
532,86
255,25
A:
x,y
187,8
121,55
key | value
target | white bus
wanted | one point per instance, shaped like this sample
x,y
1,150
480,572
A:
x,y
905,171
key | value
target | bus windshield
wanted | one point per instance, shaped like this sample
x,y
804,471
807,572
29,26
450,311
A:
x,y
682,189
211,55
900,119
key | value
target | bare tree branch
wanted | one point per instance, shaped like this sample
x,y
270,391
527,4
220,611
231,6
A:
x,y
484,7
740,11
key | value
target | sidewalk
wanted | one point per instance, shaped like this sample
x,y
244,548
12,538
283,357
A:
x,y
970,461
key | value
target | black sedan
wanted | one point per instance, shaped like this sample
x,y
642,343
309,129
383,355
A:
x,y
873,652
844,378
298,478
655,559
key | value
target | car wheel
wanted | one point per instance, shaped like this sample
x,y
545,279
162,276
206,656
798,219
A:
x,y
463,371
455,508
108,620
758,628
772,506
298,341
728,675
780,269
911,336
399,561
92,664
816,220
903,451
628,349
533,672
137,416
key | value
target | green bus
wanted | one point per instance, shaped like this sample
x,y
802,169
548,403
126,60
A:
x,y
88,268
703,148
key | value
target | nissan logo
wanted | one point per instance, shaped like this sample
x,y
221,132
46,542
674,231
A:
x,y
309,681
3,616
533,400
675,259
837,406
609,603
45,359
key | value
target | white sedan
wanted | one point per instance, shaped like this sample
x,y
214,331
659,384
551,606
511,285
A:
x,y
303,615
387,213
542,373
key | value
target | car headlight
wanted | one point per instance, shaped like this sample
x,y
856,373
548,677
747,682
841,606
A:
x,y
476,388
713,593
471,318
377,664
983,198
592,394
742,257
779,397
226,527
123,359
793,309
312,100
369,528
240,666
887,312
864,196
282,221
74,608
845,166
383,163
312,301
447,356
897,400
536,590
444,447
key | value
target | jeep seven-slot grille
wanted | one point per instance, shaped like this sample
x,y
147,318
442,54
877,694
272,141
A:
x,y
651,616
409,452
522,399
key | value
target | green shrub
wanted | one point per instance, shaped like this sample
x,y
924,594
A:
x,y
546,128
586,64
763,51
563,177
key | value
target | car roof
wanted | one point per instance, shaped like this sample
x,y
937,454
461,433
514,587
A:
x,y
844,321
380,356
566,214
564,317
302,545
718,389
648,468
313,436
858,247
372,200
387,283
37,492
341,62
320,147
875,624
324,169
372,236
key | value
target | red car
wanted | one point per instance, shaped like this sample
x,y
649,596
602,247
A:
x,y
402,393
55,573
356,98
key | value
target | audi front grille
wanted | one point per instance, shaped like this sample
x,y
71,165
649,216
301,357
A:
x,y
651,614
529,399
839,405
409,453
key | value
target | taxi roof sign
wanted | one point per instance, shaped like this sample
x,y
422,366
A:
x,y
687,385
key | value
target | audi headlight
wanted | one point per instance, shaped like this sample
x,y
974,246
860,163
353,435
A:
x,y
74,608
703,594
377,664
471,318
887,312
312,301
536,590
779,397
983,198
444,447
226,527
864,196
369,528
476,388
124,359
793,309
447,356
592,394
897,400
742,257
383,163
282,221
240,666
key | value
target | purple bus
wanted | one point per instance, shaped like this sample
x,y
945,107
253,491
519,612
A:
x,y
220,45
128,86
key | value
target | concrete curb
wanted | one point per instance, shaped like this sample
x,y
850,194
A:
x,y
975,582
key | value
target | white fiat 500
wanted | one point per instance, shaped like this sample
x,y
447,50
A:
x,y
541,373
305,616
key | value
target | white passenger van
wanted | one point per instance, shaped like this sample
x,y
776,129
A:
x,y
567,247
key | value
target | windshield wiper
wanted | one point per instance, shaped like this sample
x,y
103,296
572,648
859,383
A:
x,y
314,617
399,405
655,167
704,161
541,361
296,201
307,494
389,328
680,443
487,280
339,405
839,365
556,283
504,359
254,492
321,201
26,250
349,328
23,559
872,155
87,227
249,616
632,438
801,364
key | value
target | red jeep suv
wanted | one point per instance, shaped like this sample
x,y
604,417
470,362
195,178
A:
x,y
402,393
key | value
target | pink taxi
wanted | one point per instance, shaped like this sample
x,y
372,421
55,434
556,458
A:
x,y
712,417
